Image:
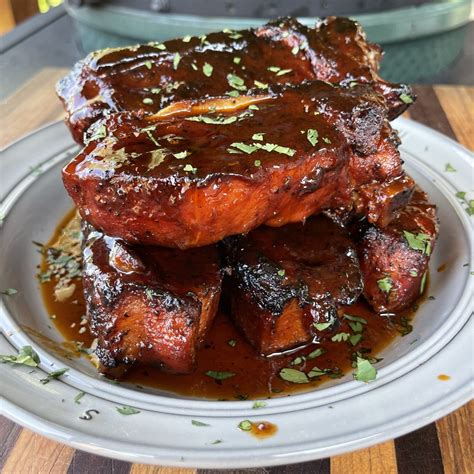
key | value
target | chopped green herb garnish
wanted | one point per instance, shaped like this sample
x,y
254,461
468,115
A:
x,y
281,273
232,93
316,372
356,327
147,101
260,85
259,404
190,169
218,120
316,353
148,64
414,272
385,284
423,282
194,66
293,376
341,336
312,136
322,326
244,147
461,194
207,69
295,50
405,98
253,107
232,342
298,360
181,154
26,356
237,60
126,410
273,68
326,140
245,425
236,82
176,60
365,371
155,90
9,292
258,136
356,319
419,242
186,39
355,339
198,423
78,397
159,46
449,168
219,375
53,375
235,35
257,163
403,326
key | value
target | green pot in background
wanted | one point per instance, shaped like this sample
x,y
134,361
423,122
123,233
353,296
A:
x,y
419,42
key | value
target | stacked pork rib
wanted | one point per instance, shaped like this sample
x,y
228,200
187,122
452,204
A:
x,y
230,148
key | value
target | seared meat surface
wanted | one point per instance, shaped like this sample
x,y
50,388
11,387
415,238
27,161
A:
x,y
394,260
197,175
148,305
284,280
150,77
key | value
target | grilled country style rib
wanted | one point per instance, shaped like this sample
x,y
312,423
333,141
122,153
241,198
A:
x,y
285,279
148,305
394,261
150,77
187,179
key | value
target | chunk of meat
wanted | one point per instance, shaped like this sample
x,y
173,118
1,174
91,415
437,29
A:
x,y
150,77
394,260
283,280
148,305
184,180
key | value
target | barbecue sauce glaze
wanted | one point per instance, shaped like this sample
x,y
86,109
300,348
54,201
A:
x,y
226,350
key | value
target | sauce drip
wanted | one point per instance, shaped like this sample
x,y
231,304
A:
x,y
263,429
227,350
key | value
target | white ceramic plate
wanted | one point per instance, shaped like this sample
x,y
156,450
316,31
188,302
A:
x,y
341,416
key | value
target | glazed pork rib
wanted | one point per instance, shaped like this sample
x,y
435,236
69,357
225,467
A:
x,y
148,305
197,173
150,77
285,280
394,261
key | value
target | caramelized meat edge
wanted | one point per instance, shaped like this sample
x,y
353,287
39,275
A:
x,y
148,305
284,280
394,260
190,180
150,77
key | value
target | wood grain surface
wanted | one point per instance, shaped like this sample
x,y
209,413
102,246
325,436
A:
x,y
442,447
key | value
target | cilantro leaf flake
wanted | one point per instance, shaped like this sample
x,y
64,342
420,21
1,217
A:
x,y
126,410
293,376
365,371
26,356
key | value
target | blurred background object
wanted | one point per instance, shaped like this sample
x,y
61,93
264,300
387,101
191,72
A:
x,y
425,41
